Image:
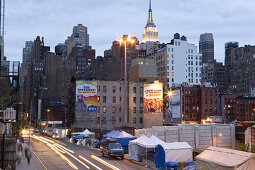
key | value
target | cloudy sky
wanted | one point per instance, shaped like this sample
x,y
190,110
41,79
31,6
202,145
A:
x,y
228,20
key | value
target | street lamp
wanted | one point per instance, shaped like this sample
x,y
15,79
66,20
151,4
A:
x,y
124,40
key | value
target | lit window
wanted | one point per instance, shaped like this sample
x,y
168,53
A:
x,y
104,109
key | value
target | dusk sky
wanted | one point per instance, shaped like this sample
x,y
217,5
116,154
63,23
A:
x,y
228,20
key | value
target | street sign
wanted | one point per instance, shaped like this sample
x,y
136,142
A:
x,y
9,114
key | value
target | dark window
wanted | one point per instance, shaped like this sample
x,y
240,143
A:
x,y
104,89
113,109
134,89
98,88
114,99
134,110
206,109
210,93
141,120
120,109
210,109
205,101
104,99
120,99
141,109
134,99
141,99
114,89
210,100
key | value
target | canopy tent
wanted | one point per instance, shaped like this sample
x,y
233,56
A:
x,y
85,133
133,148
141,145
225,159
180,152
122,137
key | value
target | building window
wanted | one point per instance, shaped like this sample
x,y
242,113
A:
x,y
98,88
114,99
104,89
104,99
141,120
120,109
188,62
120,89
134,109
172,79
205,101
113,109
210,93
172,61
120,99
172,67
104,109
172,49
134,99
114,89
134,89
134,120
141,99
191,62
141,90
215,108
119,119
210,108
206,109
210,100
141,109
98,98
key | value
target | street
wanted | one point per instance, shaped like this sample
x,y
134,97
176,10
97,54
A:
x,y
65,155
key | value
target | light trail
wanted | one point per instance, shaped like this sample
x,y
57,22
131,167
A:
x,y
104,162
90,162
58,150
78,160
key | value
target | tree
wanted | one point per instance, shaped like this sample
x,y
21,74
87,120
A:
x,y
8,94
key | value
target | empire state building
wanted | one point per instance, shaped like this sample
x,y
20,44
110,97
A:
x,y
150,31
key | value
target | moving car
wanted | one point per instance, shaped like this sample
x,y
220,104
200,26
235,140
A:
x,y
111,148
55,136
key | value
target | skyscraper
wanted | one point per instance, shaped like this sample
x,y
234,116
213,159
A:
x,y
150,35
206,47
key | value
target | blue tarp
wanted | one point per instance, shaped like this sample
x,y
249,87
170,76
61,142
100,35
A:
x,y
160,158
122,137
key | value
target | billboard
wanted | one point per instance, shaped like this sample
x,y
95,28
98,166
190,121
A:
x,y
86,96
173,105
153,97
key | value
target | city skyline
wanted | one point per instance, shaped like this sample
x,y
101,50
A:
x,y
126,17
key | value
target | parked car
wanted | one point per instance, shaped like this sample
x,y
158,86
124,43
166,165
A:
x,y
55,136
111,148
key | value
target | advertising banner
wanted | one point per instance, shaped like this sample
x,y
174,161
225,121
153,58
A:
x,y
153,97
86,96
173,105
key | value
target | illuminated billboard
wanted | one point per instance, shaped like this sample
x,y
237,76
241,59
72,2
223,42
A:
x,y
172,107
153,97
86,96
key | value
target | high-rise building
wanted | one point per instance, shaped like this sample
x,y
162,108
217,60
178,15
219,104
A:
x,y
206,47
150,35
240,63
61,50
179,61
215,73
79,37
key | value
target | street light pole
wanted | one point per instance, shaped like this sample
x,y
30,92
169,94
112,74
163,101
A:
x,y
126,39
125,84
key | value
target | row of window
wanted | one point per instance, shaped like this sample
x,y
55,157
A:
x,y
190,69
191,57
191,75
191,63
114,99
114,89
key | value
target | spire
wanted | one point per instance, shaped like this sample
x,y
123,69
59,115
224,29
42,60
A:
x,y
150,14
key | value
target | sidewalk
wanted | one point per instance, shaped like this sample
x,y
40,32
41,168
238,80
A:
x,y
35,163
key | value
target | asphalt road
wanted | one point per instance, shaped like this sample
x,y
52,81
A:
x,y
65,155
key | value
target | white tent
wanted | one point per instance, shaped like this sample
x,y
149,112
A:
x,y
177,152
85,133
133,148
225,159
141,145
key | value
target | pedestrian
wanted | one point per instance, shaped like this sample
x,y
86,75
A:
x,y
28,153
19,156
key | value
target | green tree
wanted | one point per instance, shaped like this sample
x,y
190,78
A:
x,y
8,94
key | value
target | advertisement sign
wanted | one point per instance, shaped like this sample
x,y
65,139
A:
x,y
153,97
86,96
173,105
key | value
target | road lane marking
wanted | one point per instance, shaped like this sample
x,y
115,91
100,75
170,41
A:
x,y
90,162
78,160
56,150
104,162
